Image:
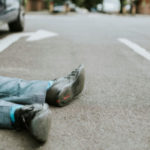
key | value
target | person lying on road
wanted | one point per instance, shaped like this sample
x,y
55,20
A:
x,y
25,104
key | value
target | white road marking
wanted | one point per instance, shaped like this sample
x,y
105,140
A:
x,y
136,48
33,36
5,43
41,34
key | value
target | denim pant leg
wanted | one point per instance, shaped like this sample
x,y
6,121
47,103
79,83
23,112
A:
x,y
22,91
5,110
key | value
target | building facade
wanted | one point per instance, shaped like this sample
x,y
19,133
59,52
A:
x,y
143,6
35,5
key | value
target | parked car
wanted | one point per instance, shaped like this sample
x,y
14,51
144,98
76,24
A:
x,y
111,6
99,7
12,12
59,8
71,6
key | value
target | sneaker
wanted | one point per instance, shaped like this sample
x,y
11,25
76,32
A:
x,y
36,119
65,89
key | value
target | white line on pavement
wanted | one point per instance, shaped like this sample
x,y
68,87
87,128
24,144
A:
x,y
136,48
5,43
33,36
40,34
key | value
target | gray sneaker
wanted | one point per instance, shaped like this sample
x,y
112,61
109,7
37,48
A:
x,y
65,89
36,119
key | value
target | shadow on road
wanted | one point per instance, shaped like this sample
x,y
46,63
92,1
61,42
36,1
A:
x,y
19,140
4,33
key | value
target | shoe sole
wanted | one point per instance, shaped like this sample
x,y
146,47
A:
x,y
41,123
65,97
71,90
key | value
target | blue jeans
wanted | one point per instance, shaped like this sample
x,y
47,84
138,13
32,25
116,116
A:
x,y
16,92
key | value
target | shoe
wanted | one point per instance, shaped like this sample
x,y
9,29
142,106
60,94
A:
x,y
36,119
65,89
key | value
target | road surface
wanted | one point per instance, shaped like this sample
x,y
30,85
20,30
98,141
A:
x,y
113,112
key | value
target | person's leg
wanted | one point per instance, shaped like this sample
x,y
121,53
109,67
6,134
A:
x,y
5,114
23,91
58,92
34,118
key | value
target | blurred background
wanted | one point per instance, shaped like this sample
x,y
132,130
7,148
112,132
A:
x,y
104,6
112,39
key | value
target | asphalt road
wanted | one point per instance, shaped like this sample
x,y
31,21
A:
x,y
113,112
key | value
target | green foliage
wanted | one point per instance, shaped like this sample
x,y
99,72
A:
x,y
46,3
58,1
87,3
79,2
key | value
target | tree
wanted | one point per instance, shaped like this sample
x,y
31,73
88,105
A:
x,y
87,3
91,3
79,2
122,5
58,1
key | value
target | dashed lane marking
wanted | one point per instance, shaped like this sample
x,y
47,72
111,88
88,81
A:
x,y
136,48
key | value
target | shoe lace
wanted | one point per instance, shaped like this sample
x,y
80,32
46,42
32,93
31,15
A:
x,y
72,74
